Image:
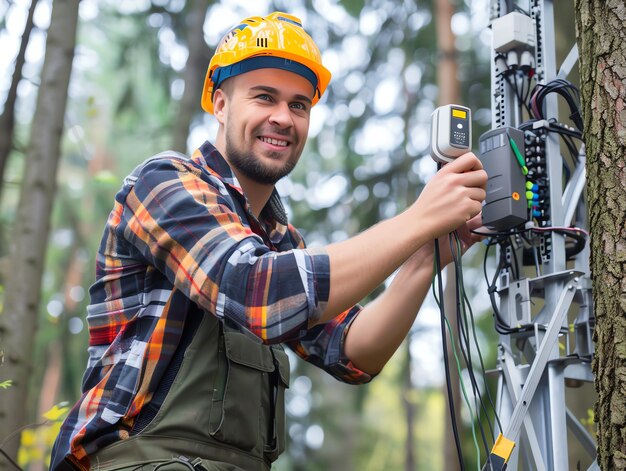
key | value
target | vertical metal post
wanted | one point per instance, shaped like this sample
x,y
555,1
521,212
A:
x,y
531,385
558,424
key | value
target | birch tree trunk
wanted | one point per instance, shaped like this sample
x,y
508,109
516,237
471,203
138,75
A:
x,y
602,47
195,71
7,120
18,322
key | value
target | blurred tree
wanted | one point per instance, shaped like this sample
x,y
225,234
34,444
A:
x,y
18,323
410,407
448,86
602,46
7,119
193,75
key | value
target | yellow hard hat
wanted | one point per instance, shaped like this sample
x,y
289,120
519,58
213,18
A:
x,y
274,41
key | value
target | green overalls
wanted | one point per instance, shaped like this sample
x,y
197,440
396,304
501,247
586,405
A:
x,y
225,409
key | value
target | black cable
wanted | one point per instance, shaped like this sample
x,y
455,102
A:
x,y
446,362
520,9
552,126
468,307
518,95
482,365
571,147
480,356
502,327
516,271
579,240
527,95
464,340
491,289
564,88
566,133
513,71
533,248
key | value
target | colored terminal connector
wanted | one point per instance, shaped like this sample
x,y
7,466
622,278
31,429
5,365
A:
x,y
532,196
532,187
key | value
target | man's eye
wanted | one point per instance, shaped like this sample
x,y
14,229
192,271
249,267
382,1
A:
x,y
264,97
298,106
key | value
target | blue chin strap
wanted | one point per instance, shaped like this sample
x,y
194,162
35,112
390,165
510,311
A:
x,y
263,62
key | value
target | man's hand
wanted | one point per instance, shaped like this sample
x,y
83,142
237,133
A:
x,y
452,197
466,237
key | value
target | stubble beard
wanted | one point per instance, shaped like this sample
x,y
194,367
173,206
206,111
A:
x,y
252,166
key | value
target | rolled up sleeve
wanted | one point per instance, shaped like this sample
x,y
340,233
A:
x,y
323,346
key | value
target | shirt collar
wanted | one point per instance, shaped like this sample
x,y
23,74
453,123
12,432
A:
x,y
209,156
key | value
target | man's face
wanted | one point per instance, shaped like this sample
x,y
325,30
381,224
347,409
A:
x,y
266,120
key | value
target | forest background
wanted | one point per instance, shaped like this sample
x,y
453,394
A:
x,y
134,90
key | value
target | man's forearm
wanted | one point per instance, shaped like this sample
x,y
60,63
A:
x,y
361,263
382,325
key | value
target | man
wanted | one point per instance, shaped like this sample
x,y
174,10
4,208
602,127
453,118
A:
x,y
200,277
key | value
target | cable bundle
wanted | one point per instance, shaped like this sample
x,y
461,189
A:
x,y
508,261
469,348
564,88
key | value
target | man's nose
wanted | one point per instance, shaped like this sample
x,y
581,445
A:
x,y
281,115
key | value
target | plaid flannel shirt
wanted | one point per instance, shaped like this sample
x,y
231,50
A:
x,y
183,225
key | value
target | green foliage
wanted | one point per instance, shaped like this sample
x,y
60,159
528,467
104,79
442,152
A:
x,y
354,7
36,440
6,384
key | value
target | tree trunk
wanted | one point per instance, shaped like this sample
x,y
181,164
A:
x,y
447,81
408,400
7,120
194,73
18,323
602,46
448,85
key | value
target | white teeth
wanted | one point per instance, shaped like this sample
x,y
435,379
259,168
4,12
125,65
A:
x,y
274,142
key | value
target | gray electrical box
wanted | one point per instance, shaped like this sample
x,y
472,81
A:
x,y
506,205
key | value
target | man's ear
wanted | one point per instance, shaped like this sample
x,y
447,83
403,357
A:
x,y
220,104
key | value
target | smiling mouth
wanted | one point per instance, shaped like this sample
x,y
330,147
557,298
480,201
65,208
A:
x,y
274,142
